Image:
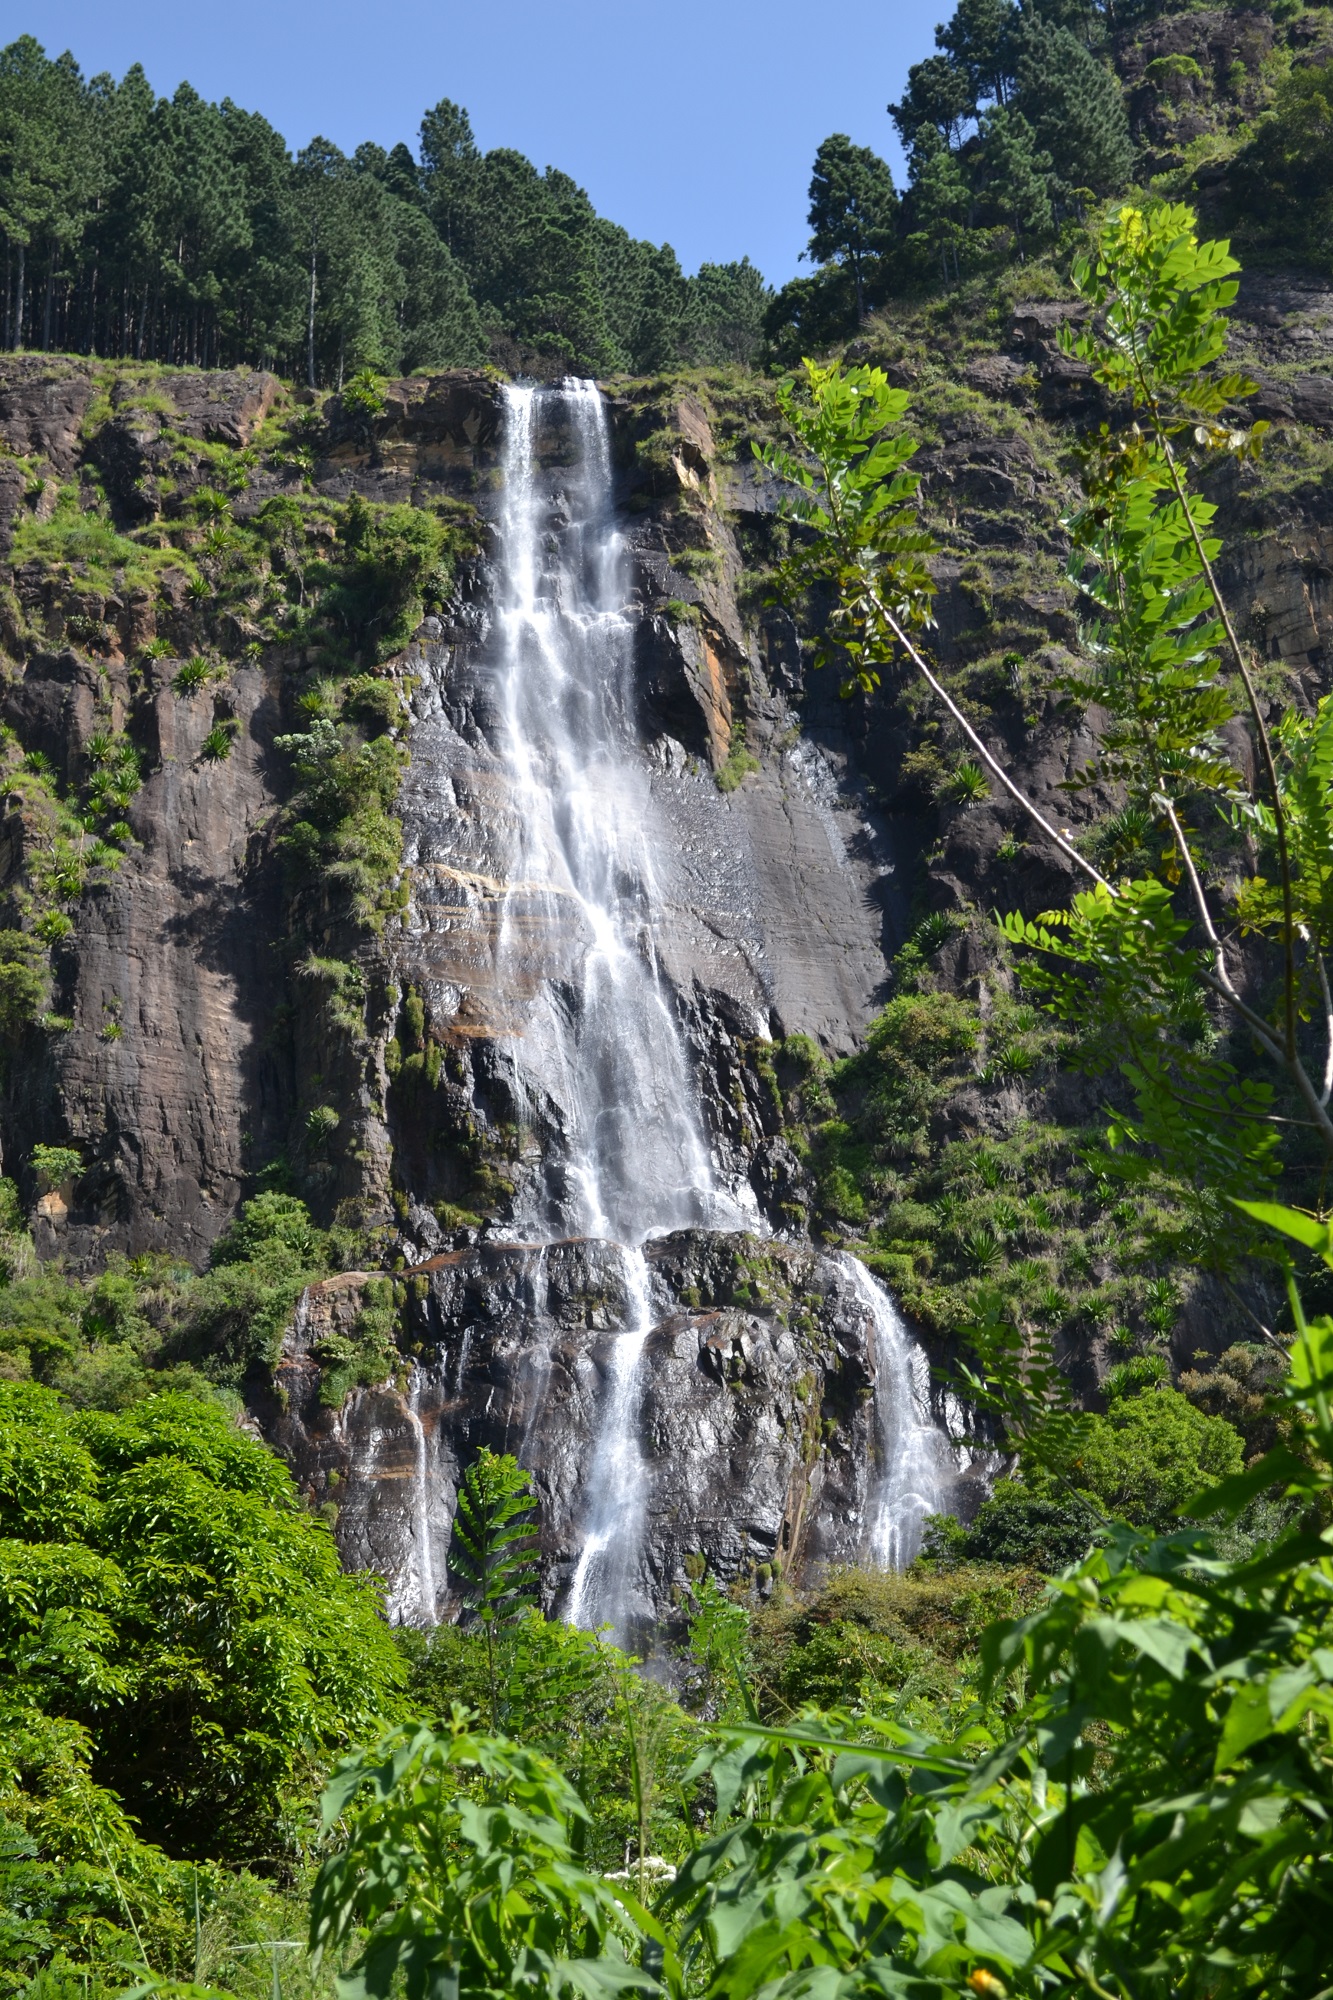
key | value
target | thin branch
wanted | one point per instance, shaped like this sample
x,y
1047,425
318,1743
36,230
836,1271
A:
x,y
1221,981
1327,998
1250,1313
1265,744
991,762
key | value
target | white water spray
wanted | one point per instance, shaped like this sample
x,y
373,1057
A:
x,y
915,1468
415,1600
613,1528
602,1040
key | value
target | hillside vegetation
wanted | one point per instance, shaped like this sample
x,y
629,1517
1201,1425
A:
x,y
1084,1743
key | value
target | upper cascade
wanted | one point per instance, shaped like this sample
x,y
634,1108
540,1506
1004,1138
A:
x,y
601,1040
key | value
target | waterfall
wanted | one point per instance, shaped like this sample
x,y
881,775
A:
x,y
415,1600
915,1460
602,1041
577,861
613,1526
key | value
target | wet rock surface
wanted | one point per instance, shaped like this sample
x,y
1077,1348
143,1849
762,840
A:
x,y
756,1411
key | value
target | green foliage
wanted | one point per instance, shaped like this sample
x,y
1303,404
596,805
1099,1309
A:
x,y
966,785
494,1552
165,1592
395,562
739,763
853,492
340,825
190,677
53,1165
883,1642
344,270
1280,182
1150,1454
1161,1717
217,744
1022,1528
485,1891
852,209
1135,969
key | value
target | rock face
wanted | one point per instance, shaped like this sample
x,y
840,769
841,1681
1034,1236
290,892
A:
x,y
760,1432
794,832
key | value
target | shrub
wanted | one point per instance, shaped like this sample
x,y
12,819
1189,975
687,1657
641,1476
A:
x,y
210,1642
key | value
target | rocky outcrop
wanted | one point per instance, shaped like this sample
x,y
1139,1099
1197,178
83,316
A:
x,y
164,1077
758,1423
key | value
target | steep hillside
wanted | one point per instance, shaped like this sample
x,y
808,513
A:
x,y
259,945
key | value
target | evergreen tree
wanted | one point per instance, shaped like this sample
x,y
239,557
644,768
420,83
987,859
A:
x,y
978,40
1017,175
450,170
665,328
1075,108
438,322
853,207
319,169
176,230
730,303
808,314
47,180
260,310
941,200
938,94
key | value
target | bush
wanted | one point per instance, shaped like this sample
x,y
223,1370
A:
x,y
162,1588
1029,1530
1153,1452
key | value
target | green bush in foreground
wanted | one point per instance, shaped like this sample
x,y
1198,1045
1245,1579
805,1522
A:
x,y
162,1590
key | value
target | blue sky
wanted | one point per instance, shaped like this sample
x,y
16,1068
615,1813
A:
x,y
690,121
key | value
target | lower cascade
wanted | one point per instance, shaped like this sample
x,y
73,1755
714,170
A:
x,y
683,1384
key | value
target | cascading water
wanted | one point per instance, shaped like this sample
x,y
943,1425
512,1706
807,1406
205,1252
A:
x,y
602,1043
573,867
415,1600
613,1529
915,1460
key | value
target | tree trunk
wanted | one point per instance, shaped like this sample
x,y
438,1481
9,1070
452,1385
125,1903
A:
x,y
310,324
19,300
50,297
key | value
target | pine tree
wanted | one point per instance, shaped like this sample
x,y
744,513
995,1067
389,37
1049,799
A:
x,y
853,207
1017,175
450,169
978,40
731,300
941,199
938,94
1075,107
